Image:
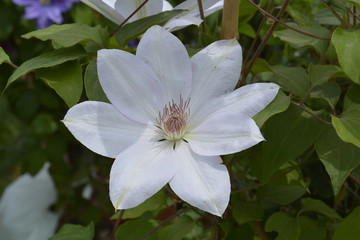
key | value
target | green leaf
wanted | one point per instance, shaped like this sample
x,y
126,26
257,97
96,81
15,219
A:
x,y
320,74
44,124
297,40
286,226
45,60
330,92
347,45
292,79
68,35
347,126
151,204
3,56
134,29
278,105
356,3
178,229
247,30
135,230
74,232
65,79
288,134
314,205
260,66
244,212
310,229
349,228
338,157
93,88
286,189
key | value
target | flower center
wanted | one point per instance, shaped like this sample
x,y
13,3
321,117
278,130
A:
x,y
173,119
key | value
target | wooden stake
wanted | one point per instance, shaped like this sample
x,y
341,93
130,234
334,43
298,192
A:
x,y
230,19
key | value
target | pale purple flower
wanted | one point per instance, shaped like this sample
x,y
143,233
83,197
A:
x,y
46,12
170,118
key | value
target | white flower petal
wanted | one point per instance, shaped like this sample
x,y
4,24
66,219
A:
x,y
181,22
209,6
224,133
106,8
201,181
167,6
102,128
216,70
24,208
139,172
127,7
247,101
192,14
167,56
130,85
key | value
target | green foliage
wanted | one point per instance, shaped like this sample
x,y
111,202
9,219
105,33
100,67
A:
x,y
301,183
338,157
68,35
286,226
348,228
75,232
287,135
3,56
347,45
132,30
65,79
45,60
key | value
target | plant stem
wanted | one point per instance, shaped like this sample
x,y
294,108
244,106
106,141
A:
x,y
230,20
202,15
257,35
310,113
127,19
117,223
263,42
265,13
335,14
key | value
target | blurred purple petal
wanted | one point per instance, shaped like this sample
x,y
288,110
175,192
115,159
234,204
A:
x,y
45,12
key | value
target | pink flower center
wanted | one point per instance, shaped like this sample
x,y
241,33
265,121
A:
x,y
173,119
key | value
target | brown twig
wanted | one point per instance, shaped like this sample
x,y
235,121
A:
x,y
262,11
263,42
127,19
257,34
117,223
310,113
335,14
202,15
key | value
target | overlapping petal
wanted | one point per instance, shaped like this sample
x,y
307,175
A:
x,y
130,85
224,133
126,8
102,128
216,70
247,101
167,56
192,14
201,181
140,171
106,8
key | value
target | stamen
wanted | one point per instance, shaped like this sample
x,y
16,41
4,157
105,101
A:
x,y
173,119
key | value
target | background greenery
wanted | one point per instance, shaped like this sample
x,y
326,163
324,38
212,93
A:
x,y
302,183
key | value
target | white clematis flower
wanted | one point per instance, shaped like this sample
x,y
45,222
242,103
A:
x,y
170,118
32,220
118,10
